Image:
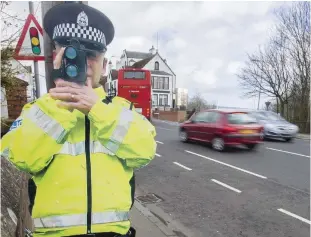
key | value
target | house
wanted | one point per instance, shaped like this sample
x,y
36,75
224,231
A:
x,y
163,77
22,92
181,97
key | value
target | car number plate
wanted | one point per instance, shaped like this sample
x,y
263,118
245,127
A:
x,y
247,131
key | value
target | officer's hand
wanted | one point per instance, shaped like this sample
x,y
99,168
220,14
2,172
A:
x,y
58,59
75,96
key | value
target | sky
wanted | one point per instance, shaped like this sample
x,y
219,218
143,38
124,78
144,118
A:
x,y
205,43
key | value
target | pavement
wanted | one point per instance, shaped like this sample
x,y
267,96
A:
x,y
203,193
143,225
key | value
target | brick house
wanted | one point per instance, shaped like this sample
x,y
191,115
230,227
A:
x,y
14,99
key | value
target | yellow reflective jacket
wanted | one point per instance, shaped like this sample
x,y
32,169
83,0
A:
x,y
82,167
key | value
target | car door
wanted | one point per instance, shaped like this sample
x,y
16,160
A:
x,y
212,124
195,129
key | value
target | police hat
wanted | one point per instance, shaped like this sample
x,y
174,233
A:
x,y
91,27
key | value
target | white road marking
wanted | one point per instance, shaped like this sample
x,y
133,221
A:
x,y
165,128
158,155
185,167
226,185
159,142
295,216
297,154
231,166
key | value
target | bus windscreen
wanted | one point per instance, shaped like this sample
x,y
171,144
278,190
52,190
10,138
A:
x,y
134,75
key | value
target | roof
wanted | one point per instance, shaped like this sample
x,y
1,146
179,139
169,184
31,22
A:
x,y
166,64
135,54
142,63
19,82
144,56
156,72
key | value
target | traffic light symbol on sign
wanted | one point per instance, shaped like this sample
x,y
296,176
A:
x,y
34,39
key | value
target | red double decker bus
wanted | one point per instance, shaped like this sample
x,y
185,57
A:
x,y
134,84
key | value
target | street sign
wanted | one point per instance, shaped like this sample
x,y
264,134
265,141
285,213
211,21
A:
x,y
30,43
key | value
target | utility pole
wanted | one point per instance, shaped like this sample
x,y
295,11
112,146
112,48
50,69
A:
x,y
48,44
35,63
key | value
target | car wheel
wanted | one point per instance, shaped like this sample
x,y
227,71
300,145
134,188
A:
x,y
265,138
288,139
251,146
183,135
218,144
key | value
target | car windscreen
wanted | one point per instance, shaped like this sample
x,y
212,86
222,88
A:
x,y
268,115
240,118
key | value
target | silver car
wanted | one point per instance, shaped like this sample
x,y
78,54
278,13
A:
x,y
275,126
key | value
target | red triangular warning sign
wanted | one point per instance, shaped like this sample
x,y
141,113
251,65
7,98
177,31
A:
x,y
30,43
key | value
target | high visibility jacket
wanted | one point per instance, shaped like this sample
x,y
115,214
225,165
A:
x,y
82,165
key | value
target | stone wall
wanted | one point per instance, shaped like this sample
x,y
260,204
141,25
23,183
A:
x,y
15,216
174,116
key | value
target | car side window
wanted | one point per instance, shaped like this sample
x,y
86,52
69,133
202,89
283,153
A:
x,y
201,117
213,117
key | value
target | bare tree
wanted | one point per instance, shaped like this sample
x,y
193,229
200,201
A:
x,y
294,25
8,41
267,72
282,69
198,103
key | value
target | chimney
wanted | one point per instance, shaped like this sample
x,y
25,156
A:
x,y
152,50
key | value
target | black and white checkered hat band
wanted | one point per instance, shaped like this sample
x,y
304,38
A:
x,y
75,30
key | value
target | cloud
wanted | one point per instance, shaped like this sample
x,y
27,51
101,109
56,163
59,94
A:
x,y
176,45
204,42
234,67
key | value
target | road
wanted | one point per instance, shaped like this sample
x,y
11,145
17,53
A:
x,y
236,193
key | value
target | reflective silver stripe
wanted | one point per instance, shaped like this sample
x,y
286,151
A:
x,y
126,117
80,219
97,147
46,123
75,149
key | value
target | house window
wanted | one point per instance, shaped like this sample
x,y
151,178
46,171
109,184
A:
x,y
154,100
155,82
163,100
160,83
166,83
156,66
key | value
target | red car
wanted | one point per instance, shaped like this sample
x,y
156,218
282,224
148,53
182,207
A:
x,y
222,128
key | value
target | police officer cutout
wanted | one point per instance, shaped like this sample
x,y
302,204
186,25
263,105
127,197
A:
x,y
80,146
